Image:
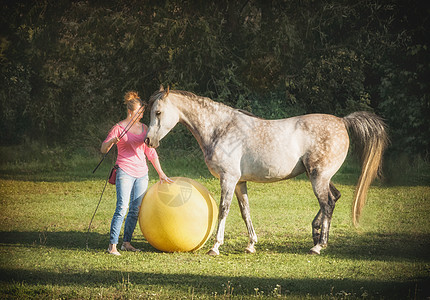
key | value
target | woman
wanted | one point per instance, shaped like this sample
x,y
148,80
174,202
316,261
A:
x,y
132,174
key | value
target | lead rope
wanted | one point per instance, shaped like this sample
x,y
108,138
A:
x,y
98,204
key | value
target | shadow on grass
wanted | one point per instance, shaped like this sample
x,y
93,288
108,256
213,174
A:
x,y
71,240
369,246
221,285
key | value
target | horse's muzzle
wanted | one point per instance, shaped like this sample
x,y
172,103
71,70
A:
x,y
150,143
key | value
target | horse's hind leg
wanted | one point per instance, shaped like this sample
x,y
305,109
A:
x,y
327,196
316,223
242,198
316,227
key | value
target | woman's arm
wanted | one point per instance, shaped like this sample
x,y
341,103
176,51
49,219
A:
x,y
107,145
163,178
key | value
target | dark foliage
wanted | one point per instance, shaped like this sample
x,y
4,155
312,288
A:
x,y
65,65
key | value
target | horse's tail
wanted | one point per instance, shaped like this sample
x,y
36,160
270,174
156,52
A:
x,y
369,133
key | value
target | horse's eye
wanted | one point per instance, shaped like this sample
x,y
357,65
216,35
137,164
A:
x,y
157,113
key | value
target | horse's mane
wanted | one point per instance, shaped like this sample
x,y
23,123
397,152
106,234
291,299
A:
x,y
248,113
203,100
186,94
155,96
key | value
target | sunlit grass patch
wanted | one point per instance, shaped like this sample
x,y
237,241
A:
x,y
43,247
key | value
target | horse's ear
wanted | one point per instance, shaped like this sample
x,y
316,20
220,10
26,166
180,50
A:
x,y
161,88
166,92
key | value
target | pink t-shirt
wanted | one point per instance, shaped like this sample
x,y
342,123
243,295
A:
x,y
132,151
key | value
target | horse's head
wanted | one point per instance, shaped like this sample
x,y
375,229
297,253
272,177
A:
x,y
164,116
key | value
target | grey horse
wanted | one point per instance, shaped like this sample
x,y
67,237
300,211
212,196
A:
x,y
239,147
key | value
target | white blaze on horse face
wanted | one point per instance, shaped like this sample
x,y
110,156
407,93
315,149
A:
x,y
163,118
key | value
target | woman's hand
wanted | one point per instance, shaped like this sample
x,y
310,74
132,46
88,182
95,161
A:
x,y
164,178
114,140
106,146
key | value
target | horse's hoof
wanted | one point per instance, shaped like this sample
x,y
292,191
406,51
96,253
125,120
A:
x,y
312,252
250,250
212,253
315,249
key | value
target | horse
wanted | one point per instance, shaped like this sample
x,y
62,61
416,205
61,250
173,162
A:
x,y
239,147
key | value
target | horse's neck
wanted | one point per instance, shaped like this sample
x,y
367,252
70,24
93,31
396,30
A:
x,y
202,117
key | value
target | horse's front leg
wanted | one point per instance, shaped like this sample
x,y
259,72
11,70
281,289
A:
x,y
227,190
242,197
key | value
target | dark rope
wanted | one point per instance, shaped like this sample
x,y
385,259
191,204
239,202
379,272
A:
x,y
98,204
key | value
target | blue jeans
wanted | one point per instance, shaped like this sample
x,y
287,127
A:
x,y
129,194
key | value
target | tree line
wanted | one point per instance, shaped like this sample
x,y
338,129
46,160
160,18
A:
x,y
65,65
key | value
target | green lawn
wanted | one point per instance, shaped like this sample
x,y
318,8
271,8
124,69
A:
x,y
46,208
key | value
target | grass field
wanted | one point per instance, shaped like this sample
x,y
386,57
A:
x,y
47,202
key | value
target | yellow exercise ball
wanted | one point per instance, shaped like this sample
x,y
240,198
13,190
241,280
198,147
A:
x,y
178,217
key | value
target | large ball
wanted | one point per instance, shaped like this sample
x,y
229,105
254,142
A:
x,y
178,217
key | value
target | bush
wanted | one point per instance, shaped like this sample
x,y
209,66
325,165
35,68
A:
x,y
65,65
